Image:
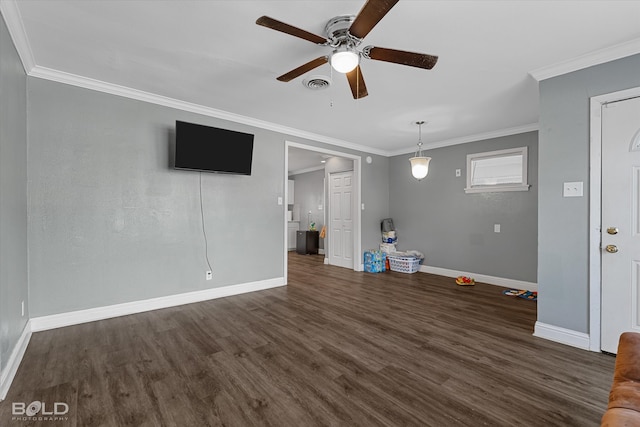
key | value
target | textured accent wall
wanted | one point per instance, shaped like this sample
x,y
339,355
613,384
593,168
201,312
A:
x,y
112,222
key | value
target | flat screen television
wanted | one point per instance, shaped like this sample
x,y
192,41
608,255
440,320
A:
x,y
210,149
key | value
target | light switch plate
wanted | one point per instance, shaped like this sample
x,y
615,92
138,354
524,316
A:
x,y
572,189
496,228
458,172
279,200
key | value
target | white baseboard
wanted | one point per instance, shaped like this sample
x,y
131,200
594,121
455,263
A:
x,y
53,321
491,280
561,335
6,378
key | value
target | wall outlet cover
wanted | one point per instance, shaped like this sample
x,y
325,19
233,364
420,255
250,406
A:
x,y
572,189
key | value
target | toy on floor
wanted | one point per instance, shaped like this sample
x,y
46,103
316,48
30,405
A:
x,y
520,293
465,281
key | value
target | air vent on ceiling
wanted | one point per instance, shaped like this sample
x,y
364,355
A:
x,y
317,82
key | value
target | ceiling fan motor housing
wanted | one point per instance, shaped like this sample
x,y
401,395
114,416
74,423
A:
x,y
337,31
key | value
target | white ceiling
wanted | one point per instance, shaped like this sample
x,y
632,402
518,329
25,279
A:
x,y
212,54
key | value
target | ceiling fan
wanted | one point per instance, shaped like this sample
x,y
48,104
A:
x,y
344,34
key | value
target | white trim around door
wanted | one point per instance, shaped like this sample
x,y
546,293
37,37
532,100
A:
x,y
595,206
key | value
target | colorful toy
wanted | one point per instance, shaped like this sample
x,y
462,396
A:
x,y
465,281
520,293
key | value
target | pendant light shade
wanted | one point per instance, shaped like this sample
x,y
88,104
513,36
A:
x,y
344,59
419,163
419,167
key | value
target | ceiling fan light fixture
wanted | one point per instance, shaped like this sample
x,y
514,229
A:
x,y
419,163
344,60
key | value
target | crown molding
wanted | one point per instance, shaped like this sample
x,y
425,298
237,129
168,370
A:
x,y
127,92
601,56
469,138
13,19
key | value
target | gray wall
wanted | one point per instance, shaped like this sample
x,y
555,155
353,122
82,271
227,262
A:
x,y
309,193
13,197
110,222
455,230
563,263
375,198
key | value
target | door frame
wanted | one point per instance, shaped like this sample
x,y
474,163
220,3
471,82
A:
x,y
357,220
595,209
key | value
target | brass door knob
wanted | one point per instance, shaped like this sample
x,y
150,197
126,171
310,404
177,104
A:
x,y
612,249
612,230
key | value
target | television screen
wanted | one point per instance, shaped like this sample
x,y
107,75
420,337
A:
x,y
205,148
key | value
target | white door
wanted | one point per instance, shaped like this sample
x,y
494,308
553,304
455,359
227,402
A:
x,y
341,214
620,255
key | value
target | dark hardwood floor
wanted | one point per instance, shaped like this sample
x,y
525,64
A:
x,y
334,347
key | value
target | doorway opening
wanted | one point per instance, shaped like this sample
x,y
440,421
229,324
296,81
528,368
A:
x,y
310,205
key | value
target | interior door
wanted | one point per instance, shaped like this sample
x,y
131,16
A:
x,y
341,214
620,256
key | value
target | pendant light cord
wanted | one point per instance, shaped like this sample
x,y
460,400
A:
x,y
357,82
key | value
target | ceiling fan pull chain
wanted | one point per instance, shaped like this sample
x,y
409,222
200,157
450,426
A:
x,y
331,87
357,83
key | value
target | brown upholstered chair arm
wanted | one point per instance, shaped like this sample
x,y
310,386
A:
x,y
624,398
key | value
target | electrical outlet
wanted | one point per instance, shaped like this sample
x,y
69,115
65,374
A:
x,y
209,275
496,228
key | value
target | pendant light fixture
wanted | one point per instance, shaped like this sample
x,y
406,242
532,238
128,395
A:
x,y
419,163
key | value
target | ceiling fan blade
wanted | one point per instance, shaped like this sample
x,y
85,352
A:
x,y
303,69
274,24
420,60
358,88
370,14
